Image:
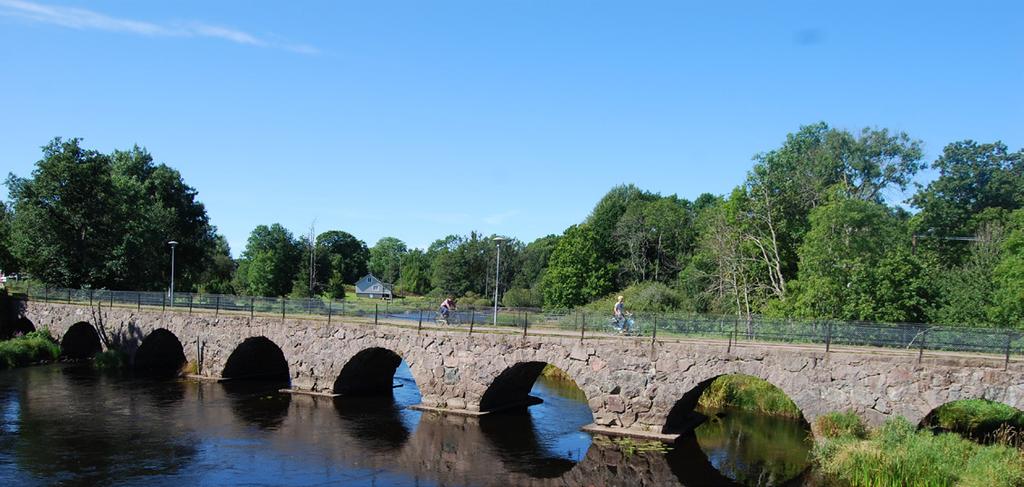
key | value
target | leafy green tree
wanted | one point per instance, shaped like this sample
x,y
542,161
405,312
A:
x,y
269,262
462,265
1008,301
855,264
386,259
347,255
576,272
415,276
653,238
972,178
7,263
86,218
218,276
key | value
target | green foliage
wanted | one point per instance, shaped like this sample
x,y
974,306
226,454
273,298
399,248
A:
x,y
576,273
748,393
269,262
898,454
836,425
973,177
534,262
643,297
1007,308
347,256
975,418
110,360
8,264
386,259
87,218
415,277
523,298
36,346
466,264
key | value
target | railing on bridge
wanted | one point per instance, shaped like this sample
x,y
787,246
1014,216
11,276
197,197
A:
x,y
580,323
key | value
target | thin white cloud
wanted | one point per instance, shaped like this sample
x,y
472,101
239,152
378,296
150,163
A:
x,y
499,218
83,19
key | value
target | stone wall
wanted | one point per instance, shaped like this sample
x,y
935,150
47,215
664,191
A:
x,y
631,384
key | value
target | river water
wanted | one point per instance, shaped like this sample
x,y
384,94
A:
x,y
67,424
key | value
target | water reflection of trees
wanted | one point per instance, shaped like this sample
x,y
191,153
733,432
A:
x,y
754,449
62,439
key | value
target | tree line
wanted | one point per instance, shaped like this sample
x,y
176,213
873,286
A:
x,y
812,231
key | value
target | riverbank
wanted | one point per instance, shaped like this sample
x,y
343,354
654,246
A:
x,y
898,453
33,347
749,394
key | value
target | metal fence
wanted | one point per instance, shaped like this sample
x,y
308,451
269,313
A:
x,y
585,324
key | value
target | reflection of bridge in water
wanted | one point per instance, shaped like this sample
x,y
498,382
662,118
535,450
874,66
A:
x,y
166,426
633,387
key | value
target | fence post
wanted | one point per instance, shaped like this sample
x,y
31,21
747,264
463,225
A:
x,y
920,350
282,307
46,294
472,317
190,303
69,295
419,325
217,311
1006,364
728,348
91,292
736,329
163,305
375,308
252,306
111,298
526,317
330,310
828,336
654,334
583,326
138,299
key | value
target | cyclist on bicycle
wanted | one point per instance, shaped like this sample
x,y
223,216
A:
x,y
447,306
620,318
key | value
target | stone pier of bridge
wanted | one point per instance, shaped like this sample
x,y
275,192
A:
x,y
633,386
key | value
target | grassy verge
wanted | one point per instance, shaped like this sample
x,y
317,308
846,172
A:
x,y
979,420
749,394
37,346
899,454
110,360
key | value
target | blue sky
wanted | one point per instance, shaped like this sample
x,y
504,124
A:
x,y
420,119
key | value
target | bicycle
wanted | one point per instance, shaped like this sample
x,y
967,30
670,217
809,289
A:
x,y
447,319
624,325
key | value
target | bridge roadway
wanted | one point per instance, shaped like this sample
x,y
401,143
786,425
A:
x,y
635,387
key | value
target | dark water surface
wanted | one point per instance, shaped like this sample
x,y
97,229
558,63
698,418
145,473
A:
x,y
67,424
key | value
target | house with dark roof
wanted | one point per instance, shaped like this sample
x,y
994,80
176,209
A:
x,y
371,287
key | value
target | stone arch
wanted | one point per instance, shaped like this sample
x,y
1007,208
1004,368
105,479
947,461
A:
x,y
160,352
257,358
370,372
682,417
81,341
21,326
511,388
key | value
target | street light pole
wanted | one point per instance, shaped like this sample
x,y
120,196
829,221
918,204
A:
x,y
497,269
173,244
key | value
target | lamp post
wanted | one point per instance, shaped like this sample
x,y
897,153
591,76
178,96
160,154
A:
x,y
173,244
497,269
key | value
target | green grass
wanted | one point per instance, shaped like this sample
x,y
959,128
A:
x,y
837,425
749,394
897,454
977,419
37,346
110,360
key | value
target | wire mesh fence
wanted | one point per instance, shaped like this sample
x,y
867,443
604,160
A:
x,y
732,330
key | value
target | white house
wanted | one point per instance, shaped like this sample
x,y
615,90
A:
x,y
371,287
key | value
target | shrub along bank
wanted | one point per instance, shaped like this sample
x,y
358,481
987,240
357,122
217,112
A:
x,y
749,394
36,346
898,454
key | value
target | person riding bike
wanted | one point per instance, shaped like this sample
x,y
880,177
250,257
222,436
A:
x,y
620,318
447,306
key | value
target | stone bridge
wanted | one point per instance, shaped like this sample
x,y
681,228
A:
x,y
634,386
